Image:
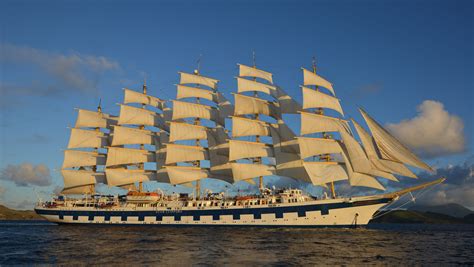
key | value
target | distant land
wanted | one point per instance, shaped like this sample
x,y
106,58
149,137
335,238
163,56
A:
x,y
437,214
10,214
440,214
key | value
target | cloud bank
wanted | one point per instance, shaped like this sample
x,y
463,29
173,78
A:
x,y
27,174
433,132
72,71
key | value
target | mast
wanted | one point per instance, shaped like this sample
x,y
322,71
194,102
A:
x,y
320,111
137,127
83,155
183,161
247,121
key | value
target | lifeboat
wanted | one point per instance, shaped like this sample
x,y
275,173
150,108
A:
x,y
142,197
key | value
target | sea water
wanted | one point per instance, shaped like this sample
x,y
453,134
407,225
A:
x,y
23,242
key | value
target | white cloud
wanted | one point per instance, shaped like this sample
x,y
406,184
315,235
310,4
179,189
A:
x,y
27,174
433,132
73,71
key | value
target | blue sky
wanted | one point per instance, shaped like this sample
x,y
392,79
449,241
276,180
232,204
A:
x,y
387,56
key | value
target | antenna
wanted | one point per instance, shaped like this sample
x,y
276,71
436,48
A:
x,y
254,59
314,64
99,107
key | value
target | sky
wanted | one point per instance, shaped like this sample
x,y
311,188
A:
x,y
408,63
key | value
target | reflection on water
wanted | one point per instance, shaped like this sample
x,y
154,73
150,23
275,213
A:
x,y
380,244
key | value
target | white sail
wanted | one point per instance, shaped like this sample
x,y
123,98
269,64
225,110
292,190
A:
x,y
186,78
131,136
357,178
311,78
93,119
246,71
390,148
359,161
183,110
245,149
79,178
140,116
87,138
394,167
184,91
181,153
121,177
380,164
77,158
316,146
322,173
225,107
315,123
316,99
244,85
184,131
185,174
251,105
131,96
243,171
248,127
287,104
289,163
120,155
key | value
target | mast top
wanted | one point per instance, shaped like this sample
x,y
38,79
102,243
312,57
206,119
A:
x,y
197,71
144,85
254,59
99,107
314,64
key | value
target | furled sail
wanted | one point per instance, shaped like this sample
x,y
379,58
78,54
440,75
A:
x,y
251,105
186,78
311,78
248,127
81,138
131,96
246,71
390,148
316,99
133,136
246,149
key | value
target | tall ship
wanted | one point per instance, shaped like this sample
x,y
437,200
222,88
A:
x,y
202,135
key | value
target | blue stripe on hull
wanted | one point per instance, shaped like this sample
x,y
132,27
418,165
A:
x,y
236,213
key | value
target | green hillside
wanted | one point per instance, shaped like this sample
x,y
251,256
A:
x,y
9,214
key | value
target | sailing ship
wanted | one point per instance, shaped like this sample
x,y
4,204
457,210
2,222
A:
x,y
191,140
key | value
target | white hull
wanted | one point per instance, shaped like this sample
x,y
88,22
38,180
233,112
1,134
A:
x,y
333,212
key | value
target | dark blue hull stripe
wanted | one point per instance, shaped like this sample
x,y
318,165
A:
x,y
196,214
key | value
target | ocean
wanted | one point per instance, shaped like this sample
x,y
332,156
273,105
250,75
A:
x,y
25,242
